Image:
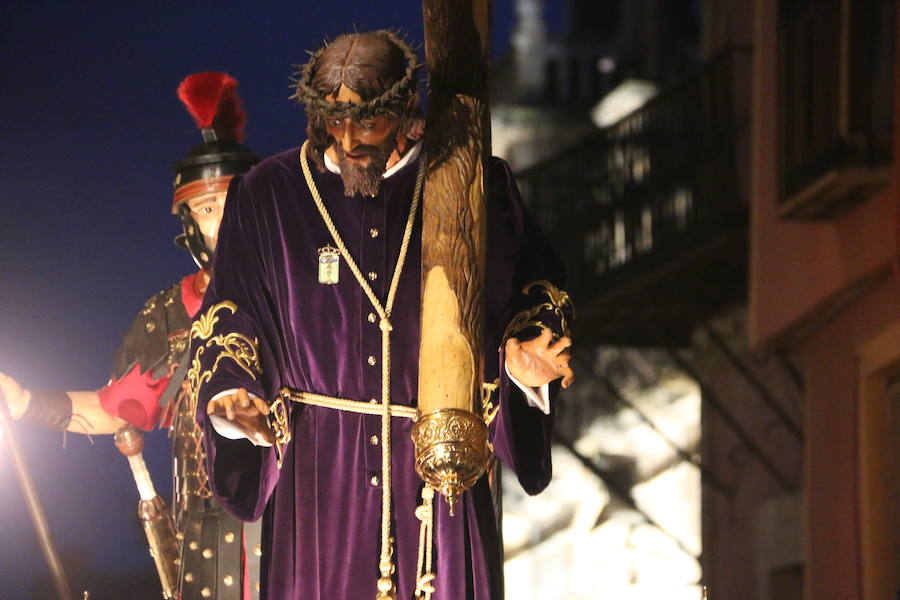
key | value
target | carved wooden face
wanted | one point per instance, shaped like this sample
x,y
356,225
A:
x,y
359,139
363,148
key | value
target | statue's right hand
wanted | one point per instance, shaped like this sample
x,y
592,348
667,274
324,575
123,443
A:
x,y
245,412
16,396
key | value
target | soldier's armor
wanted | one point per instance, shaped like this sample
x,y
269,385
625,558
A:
x,y
158,336
211,540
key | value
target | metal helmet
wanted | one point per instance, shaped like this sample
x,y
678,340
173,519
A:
x,y
212,100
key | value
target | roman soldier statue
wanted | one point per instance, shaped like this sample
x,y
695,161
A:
x,y
201,550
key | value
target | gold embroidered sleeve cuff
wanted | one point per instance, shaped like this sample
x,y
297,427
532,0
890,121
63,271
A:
x,y
551,307
210,347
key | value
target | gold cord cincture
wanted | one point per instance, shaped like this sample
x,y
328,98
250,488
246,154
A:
x,y
386,589
424,572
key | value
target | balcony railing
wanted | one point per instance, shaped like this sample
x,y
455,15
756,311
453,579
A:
x,y
653,186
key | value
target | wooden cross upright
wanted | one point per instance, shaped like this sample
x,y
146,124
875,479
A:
x,y
454,217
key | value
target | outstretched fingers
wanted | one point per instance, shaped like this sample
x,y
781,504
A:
x,y
544,338
559,346
561,356
247,412
225,405
238,404
228,404
540,360
567,374
261,405
243,398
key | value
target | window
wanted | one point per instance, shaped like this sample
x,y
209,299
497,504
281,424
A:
x,y
835,102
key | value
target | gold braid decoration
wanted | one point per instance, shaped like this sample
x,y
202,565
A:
x,y
202,327
558,300
280,423
488,410
240,349
184,418
235,346
195,378
203,489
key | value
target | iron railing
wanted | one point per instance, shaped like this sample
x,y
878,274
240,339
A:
x,y
655,183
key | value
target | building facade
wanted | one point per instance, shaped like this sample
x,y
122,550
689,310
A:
x,y
824,285
746,223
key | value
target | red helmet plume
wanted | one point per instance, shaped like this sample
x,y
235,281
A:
x,y
212,100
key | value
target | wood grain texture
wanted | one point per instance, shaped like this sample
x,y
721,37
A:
x,y
454,224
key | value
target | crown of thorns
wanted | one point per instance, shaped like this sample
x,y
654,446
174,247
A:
x,y
392,101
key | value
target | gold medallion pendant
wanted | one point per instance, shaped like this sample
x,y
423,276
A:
x,y
329,263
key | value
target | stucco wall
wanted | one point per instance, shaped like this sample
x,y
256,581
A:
x,y
731,532
797,266
831,463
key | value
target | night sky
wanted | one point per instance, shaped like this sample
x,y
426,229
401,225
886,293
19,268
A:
x,y
90,124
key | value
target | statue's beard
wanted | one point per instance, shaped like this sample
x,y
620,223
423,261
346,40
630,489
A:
x,y
366,180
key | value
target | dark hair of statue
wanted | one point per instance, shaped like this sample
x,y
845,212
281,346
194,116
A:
x,y
377,65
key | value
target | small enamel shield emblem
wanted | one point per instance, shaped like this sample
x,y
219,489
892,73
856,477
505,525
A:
x,y
329,263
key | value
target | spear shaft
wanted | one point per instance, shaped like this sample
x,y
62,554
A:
x,y
36,510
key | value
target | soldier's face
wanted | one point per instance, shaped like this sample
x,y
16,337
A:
x,y
207,212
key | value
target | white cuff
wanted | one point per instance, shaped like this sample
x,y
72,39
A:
x,y
540,402
227,429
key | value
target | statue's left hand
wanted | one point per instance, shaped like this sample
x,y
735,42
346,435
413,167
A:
x,y
540,360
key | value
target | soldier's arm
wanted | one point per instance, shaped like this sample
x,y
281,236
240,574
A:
x,y
93,418
55,409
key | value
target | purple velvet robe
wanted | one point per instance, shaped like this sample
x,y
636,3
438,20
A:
x,y
322,509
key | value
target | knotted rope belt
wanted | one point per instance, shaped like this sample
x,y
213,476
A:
x,y
386,589
357,406
425,511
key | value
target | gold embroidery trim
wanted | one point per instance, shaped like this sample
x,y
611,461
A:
x,y
202,328
235,346
558,300
279,422
488,410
